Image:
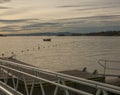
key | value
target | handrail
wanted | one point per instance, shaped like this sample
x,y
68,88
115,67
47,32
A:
x,y
48,81
7,90
94,84
59,75
105,62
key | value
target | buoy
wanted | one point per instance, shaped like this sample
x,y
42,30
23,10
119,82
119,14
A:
x,y
38,47
12,52
3,54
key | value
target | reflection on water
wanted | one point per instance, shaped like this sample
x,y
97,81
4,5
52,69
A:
x,y
63,53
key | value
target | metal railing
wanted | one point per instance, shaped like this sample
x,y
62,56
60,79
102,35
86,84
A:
x,y
101,88
7,90
103,63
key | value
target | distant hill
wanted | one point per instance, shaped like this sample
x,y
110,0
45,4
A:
x,y
104,33
43,34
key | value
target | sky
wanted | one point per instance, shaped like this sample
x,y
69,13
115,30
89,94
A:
x,y
79,16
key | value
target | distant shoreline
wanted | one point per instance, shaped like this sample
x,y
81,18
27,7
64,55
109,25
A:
x,y
107,33
104,33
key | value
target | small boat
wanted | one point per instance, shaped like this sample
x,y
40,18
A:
x,y
48,39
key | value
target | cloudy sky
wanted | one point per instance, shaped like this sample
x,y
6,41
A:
x,y
33,16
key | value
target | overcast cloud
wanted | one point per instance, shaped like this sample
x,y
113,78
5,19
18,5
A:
x,y
21,16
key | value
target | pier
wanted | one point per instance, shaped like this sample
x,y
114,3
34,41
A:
x,y
24,79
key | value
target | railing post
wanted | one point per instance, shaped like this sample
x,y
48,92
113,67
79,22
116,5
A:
x,y
16,87
13,81
98,92
42,88
33,83
61,81
5,76
105,92
66,91
56,88
26,88
105,67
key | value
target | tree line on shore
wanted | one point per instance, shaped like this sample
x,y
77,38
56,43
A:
x,y
103,33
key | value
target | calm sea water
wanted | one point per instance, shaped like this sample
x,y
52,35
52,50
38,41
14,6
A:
x,y
64,53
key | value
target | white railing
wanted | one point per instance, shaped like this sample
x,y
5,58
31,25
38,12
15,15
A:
x,y
101,88
105,63
7,90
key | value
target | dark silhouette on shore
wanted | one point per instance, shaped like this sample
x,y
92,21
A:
x,y
103,33
1,35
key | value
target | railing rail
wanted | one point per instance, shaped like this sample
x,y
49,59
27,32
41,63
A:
x,y
45,80
97,85
103,63
7,90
